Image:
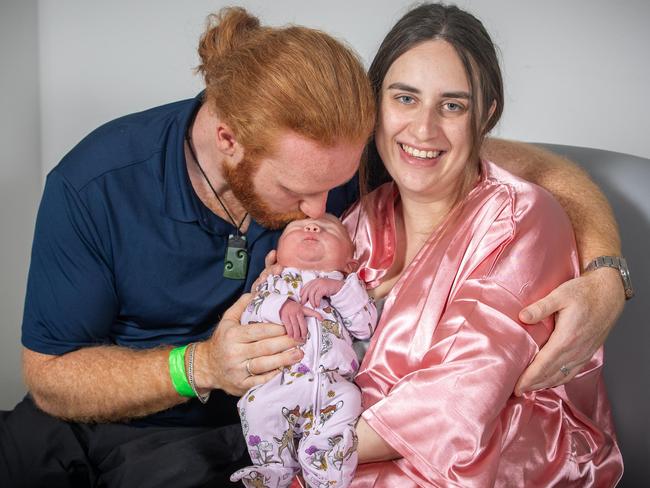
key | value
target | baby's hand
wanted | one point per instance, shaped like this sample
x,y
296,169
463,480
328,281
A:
x,y
319,288
292,315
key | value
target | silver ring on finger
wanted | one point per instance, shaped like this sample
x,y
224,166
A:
x,y
565,371
248,368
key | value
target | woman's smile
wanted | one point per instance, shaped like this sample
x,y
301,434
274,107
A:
x,y
420,157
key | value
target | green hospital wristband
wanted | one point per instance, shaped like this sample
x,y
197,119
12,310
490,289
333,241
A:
x,y
177,372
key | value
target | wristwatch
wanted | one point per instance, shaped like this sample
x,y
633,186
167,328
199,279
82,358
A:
x,y
618,263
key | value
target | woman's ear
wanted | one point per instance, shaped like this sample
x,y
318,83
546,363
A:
x,y
486,120
493,107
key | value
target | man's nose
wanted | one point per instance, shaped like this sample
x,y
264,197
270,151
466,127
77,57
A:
x,y
314,207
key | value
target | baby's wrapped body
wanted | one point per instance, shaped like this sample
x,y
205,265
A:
x,y
304,417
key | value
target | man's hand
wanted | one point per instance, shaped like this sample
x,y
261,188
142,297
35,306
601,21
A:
x,y
271,267
318,288
225,360
293,316
587,308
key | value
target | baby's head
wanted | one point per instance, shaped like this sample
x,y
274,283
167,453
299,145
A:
x,y
317,244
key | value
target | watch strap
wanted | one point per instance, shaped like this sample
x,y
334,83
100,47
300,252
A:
x,y
616,262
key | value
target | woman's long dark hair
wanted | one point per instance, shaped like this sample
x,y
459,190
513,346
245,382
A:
x,y
477,52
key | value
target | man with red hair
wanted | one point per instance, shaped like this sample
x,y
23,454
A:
x,y
149,230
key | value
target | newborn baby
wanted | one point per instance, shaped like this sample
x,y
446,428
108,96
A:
x,y
304,418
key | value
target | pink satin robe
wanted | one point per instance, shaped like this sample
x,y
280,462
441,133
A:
x,y
438,378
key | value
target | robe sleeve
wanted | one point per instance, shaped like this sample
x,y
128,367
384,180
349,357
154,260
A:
x,y
452,415
454,400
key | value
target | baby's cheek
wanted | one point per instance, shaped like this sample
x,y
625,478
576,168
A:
x,y
286,248
342,254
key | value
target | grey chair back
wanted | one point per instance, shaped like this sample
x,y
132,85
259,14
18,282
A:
x,y
625,180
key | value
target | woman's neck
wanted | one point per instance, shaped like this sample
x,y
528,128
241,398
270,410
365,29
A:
x,y
422,215
420,218
416,219
414,223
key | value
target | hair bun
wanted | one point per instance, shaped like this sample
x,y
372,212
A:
x,y
225,32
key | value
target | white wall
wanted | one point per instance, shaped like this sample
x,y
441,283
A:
x,y
20,175
575,70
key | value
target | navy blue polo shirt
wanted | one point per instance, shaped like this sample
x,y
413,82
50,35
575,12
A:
x,y
125,253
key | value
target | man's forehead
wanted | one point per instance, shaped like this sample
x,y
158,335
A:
x,y
288,140
311,177
300,155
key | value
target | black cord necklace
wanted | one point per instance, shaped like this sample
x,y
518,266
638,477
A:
x,y
235,263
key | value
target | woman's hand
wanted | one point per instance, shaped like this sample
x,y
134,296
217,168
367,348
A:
x,y
587,308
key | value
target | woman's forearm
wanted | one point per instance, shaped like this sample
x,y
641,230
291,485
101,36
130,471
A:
x,y
372,447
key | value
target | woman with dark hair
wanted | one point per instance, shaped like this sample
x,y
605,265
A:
x,y
454,247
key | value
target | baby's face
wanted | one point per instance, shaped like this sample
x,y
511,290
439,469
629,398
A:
x,y
318,244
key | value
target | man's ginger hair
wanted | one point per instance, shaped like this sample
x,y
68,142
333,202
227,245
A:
x,y
262,80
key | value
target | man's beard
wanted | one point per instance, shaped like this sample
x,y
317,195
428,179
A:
x,y
240,181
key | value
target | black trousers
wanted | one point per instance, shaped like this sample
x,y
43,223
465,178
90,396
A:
x,y
38,450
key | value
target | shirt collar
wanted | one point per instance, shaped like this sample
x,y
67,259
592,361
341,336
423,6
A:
x,y
179,201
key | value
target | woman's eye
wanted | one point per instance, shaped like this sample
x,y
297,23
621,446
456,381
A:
x,y
453,107
405,99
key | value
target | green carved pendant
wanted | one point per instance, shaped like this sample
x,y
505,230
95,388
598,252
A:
x,y
236,261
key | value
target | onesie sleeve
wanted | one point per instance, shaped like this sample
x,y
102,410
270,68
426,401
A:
x,y
356,307
265,307
70,301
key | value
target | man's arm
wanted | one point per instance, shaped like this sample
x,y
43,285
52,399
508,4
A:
x,y
589,211
70,308
109,383
97,384
587,306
